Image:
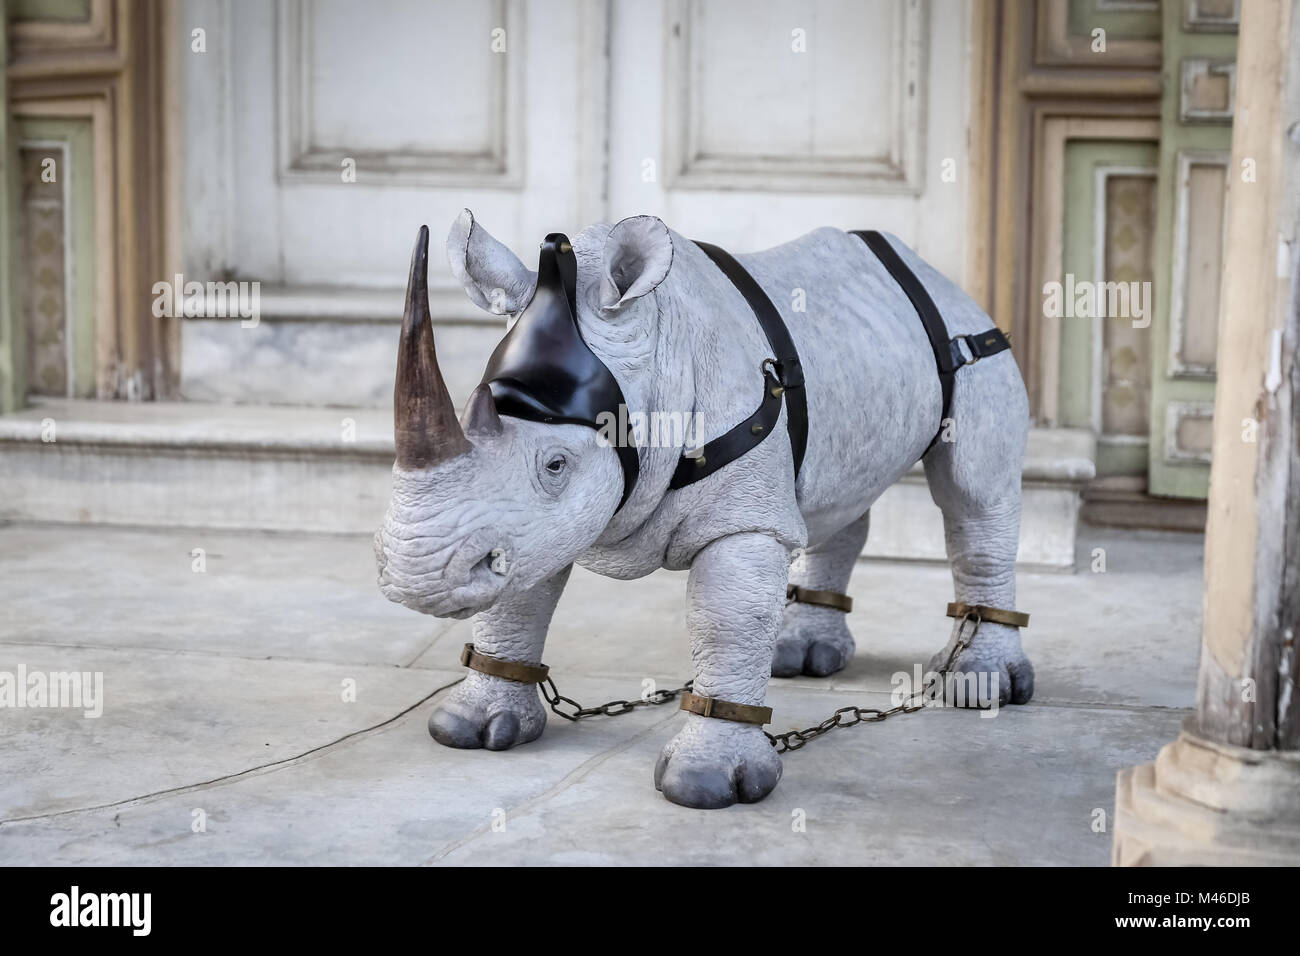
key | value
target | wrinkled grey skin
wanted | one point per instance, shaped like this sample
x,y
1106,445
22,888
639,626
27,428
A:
x,y
494,532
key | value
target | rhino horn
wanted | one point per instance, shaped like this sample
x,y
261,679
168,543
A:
x,y
481,417
425,429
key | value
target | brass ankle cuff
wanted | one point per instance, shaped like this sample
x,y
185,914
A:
x,y
832,599
510,670
994,615
725,709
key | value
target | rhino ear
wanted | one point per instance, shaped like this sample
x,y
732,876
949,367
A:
x,y
637,256
492,275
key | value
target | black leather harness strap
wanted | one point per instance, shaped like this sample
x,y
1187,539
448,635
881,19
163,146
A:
x,y
726,448
783,375
947,351
782,378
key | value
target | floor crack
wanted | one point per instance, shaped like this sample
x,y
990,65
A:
x,y
204,652
570,778
227,778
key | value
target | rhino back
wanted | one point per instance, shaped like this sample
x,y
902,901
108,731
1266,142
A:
x,y
873,391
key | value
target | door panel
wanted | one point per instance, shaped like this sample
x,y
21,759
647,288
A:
x,y
769,119
434,106
1200,46
1110,237
57,254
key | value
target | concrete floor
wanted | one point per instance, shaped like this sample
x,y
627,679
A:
x,y
224,704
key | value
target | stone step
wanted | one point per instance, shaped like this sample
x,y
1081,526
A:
x,y
335,347
285,468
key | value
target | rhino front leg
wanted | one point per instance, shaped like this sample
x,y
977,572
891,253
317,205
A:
x,y
814,639
735,593
492,712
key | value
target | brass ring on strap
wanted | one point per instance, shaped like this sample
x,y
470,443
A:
x,y
496,667
994,615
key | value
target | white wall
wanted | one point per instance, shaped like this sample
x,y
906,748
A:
x,y
757,143
852,132
750,142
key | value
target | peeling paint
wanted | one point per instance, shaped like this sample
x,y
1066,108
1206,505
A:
x,y
1273,378
1285,686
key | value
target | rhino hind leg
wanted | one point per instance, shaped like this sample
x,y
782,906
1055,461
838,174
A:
x,y
815,640
975,481
982,550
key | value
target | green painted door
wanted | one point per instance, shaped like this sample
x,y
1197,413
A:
x,y
1199,52
1105,371
12,345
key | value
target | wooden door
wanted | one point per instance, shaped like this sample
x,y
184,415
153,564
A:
x,y
1200,45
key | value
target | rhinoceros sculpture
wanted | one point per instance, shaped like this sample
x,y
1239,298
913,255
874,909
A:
x,y
490,512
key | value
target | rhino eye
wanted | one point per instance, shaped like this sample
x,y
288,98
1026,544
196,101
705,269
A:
x,y
553,471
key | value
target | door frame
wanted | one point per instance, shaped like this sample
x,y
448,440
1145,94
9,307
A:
x,y
115,71
1027,71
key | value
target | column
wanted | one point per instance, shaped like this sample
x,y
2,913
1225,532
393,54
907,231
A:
x,y
1227,791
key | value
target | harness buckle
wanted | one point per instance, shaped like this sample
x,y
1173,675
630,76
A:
x,y
792,373
957,358
979,345
788,372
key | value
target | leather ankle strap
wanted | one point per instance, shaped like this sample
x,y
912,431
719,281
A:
x,y
832,599
985,613
510,670
725,709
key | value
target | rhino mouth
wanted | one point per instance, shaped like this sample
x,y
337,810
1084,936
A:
x,y
461,602
471,581
453,612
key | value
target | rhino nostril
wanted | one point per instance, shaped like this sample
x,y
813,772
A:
x,y
491,565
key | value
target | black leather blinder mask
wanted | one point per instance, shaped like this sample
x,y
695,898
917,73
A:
x,y
543,371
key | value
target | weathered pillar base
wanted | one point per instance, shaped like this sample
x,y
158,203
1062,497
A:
x,y
1208,804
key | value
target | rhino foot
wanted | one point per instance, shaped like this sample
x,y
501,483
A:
x,y
715,763
813,640
994,665
488,712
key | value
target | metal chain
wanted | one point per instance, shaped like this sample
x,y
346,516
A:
x,y
615,708
851,716
790,740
